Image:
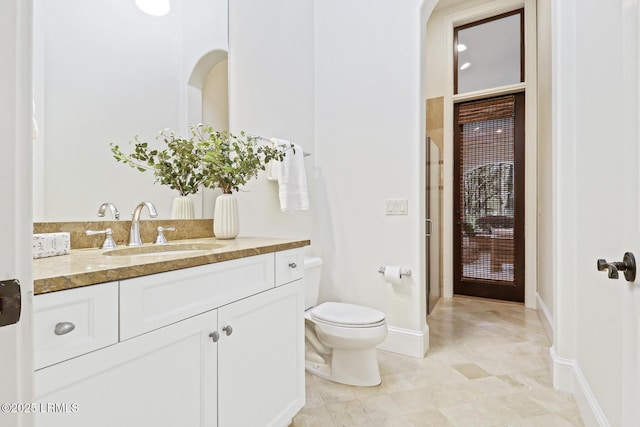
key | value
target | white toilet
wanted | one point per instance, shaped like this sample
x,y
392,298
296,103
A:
x,y
341,338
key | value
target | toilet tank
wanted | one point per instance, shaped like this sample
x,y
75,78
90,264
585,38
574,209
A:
x,y
312,271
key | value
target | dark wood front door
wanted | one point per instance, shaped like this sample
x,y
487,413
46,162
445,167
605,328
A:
x,y
489,198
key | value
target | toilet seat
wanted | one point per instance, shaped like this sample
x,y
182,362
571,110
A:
x,y
347,315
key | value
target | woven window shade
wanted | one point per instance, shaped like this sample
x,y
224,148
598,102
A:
x,y
491,109
487,151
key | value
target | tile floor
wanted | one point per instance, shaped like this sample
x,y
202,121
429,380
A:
x,y
487,365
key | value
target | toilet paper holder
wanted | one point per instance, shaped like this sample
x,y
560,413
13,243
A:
x,y
403,272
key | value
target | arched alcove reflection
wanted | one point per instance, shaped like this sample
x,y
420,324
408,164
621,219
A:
x,y
209,103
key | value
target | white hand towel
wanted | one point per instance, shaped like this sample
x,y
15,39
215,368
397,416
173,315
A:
x,y
273,167
292,180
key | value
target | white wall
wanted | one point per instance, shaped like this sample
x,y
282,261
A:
x,y
436,48
369,148
215,97
271,95
329,76
111,72
545,183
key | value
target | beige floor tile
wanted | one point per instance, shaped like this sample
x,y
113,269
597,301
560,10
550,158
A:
x,y
551,399
523,405
482,412
396,383
432,418
398,421
546,420
348,414
471,370
493,386
572,415
381,408
312,417
488,364
331,392
413,401
453,394
312,398
434,376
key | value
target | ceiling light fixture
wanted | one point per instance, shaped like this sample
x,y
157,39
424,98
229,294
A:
x,y
462,47
499,131
465,65
154,7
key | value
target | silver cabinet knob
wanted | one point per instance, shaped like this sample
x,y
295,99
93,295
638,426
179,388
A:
x,y
215,336
228,330
63,328
293,265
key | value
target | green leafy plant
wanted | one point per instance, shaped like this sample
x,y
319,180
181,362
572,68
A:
x,y
230,161
213,159
178,166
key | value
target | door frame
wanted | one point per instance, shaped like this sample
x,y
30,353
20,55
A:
x,y
491,289
16,226
531,144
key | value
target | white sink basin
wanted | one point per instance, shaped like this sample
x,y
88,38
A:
x,y
168,249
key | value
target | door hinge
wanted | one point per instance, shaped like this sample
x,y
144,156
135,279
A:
x,y
10,302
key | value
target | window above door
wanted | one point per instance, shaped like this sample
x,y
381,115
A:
x,y
489,53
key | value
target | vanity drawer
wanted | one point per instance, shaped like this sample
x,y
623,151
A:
x,y
151,302
289,266
74,322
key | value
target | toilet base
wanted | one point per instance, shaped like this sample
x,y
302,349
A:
x,y
350,367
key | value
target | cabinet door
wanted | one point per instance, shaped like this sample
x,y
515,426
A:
x,y
163,378
261,362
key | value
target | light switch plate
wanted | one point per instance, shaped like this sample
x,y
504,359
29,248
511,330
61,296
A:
x,y
397,207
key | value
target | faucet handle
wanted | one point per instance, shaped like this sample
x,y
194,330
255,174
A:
x,y
160,239
108,243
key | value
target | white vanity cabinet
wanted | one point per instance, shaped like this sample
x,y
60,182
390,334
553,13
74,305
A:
x,y
261,360
164,378
215,345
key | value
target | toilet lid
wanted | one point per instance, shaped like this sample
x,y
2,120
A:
x,y
346,314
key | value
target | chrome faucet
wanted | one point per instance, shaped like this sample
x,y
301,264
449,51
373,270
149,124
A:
x,y
103,207
134,234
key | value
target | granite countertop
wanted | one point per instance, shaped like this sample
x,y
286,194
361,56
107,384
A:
x,y
84,267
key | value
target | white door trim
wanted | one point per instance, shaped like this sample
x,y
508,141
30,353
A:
x,y
16,227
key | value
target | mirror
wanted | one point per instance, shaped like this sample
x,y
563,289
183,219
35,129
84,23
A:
x,y
104,71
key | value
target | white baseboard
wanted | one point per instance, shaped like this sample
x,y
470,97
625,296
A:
x,y
562,371
590,410
408,342
568,377
545,316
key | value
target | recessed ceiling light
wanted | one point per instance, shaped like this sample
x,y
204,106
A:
x,y
462,47
499,131
154,7
465,65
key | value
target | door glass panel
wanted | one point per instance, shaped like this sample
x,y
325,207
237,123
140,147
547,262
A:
x,y
489,53
487,152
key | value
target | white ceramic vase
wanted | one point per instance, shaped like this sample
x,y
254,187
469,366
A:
x,y
225,217
182,208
